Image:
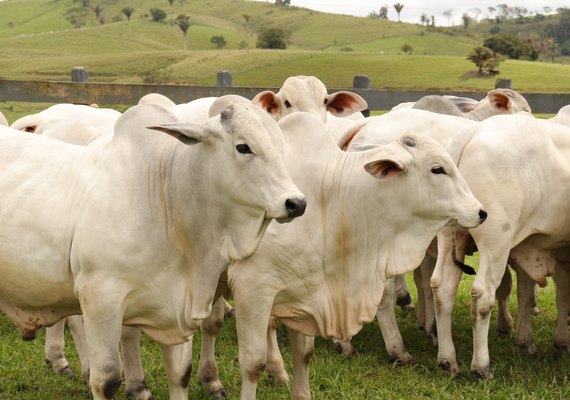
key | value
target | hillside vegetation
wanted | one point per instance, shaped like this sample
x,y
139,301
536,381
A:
x,y
39,42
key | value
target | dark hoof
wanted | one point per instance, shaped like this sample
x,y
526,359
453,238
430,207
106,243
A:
x,y
482,374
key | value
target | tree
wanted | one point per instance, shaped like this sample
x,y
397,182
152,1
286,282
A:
x,y
171,2
218,41
484,59
183,22
424,19
449,15
398,7
285,3
128,12
466,20
272,38
77,17
157,14
383,13
511,46
98,10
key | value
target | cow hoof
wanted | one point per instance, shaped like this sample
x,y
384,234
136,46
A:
x,y
449,368
503,333
528,349
230,314
280,376
220,394
484,374
140,393
535,310
402,360
67,372
345,348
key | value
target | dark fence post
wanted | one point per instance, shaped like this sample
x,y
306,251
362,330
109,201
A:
x,y
224,79
79,74
503,84
362,82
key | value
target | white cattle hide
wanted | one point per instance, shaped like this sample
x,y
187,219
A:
x,y
518,167
371,215
136,231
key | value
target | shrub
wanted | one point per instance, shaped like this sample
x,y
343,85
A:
x,y
218,41
272,38
406,48
565,48
157,14
346,48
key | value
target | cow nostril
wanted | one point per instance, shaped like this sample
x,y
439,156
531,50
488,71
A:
x,y
295,207
482,215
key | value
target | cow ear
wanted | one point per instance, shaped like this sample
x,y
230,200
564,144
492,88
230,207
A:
x,y
343,103
185,132
268,101
384,169
500,100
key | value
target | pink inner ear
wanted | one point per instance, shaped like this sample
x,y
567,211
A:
x,y
501,102
383,169
267,102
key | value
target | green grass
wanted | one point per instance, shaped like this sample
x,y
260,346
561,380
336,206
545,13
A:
x,y
368,375
38,43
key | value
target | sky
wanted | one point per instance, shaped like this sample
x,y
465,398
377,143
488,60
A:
x,y
413,9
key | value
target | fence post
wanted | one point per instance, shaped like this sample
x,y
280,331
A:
x,y
224,79
79,74
503,84
362,82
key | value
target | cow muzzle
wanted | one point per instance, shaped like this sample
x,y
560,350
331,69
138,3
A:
x,y
294,207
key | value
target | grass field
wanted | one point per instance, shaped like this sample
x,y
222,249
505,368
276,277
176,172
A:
x,y
368,375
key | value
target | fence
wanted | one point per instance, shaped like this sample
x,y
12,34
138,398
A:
x,y
80,91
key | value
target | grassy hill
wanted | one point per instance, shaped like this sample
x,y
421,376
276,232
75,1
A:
x,y
39,42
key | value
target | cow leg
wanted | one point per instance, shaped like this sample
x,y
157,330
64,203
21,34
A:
x,y
178,366
403,298
135,385
444,283
252,322
504,318
562,281
103,327
75,323
426,309
302,349
525,299
54,349
492,266
275,364
389,326
208,369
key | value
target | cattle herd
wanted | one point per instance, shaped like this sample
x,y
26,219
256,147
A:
x,y
295,206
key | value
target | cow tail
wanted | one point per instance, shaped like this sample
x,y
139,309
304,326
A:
x,y
464,267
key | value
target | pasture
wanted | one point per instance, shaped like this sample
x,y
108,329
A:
x,y
142,50
368,375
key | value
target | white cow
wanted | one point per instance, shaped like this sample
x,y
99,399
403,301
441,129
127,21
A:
x,y
71,123
518,167
563,116
308,94
497,101
371,215
181,222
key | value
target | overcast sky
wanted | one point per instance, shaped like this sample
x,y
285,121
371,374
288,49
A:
x,y
413,9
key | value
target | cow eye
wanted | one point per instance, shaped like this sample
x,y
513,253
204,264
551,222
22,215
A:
x,y
243,149
438,171
287,104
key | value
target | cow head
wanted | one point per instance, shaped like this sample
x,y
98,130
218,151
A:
x,y
308,94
